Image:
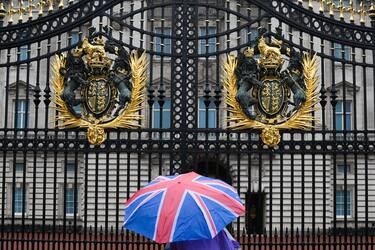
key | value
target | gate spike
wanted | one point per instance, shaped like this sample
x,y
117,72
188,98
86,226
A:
x,y
362,13
30,9
321,6
50,8
351,10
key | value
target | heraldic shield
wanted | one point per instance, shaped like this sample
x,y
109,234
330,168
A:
x,y
95,91
263,94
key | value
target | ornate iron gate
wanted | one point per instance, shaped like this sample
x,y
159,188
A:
x,y
315,190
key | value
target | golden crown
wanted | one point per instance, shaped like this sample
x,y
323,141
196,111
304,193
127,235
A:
x,y
270,56
96,57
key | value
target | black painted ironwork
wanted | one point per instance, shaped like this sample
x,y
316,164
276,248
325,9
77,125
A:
x,y
314,190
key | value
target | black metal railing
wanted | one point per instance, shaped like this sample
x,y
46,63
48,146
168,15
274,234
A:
x,y
315,190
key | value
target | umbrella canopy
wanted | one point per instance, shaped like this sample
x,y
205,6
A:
x,y
184,207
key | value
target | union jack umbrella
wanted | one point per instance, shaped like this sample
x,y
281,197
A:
x,y
184,207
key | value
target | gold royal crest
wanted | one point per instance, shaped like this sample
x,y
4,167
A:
x,y
262,95
111,92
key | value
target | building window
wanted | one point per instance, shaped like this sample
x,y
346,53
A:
x,y
24,54
343,208
203,122
70,167
19,202
342,51
74,38
70,201
163,45
158,120
19,167
343,115
342,169
252,34
20,117
207,45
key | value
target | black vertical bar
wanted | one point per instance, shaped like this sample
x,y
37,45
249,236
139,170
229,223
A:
x,y
270,172
281,233
85,207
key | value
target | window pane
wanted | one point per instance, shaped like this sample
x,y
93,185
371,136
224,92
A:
x,y
18,200
75,38
252,35
156,119
348,122
19,167
339,49
70,201
348,106
70,167
212,119
211,122
20,117
207,45
23,52
339,122
341,168
167,104
166,119
166,114
202,119
166,41
339,107
340,203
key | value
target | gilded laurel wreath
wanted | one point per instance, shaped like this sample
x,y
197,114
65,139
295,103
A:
x,y
130,116
303,118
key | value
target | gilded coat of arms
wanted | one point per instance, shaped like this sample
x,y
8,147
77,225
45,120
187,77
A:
x,y
263,92
99,85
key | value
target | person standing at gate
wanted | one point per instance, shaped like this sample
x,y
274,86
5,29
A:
x,y
222,241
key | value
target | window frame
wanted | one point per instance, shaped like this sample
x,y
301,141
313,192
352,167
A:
x,y
68,169
160,42
203,109
154,110
343,115
348,168
337,51
350,205
250,32
16,164
71,35
23,113
202,43
75,200
23,200
23,52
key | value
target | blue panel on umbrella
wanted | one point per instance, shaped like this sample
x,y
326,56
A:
x,y
220,215
134,204
144,219
190,223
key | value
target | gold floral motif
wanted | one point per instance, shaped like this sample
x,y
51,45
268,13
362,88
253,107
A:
x,y
270,136
96,135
